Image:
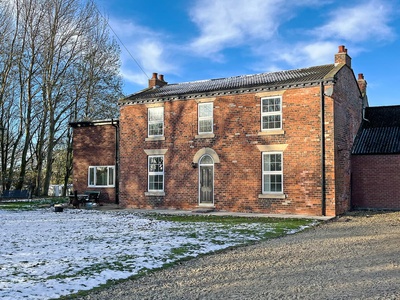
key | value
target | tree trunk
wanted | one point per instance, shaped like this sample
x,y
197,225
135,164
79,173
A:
x,y
40,153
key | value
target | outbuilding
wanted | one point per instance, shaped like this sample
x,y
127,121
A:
x,y
376,160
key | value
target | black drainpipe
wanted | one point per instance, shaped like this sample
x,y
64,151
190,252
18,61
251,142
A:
x,y
323,188
116,125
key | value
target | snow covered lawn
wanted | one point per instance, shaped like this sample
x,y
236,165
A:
x,y
45,255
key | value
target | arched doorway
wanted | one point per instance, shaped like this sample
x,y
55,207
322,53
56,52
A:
x,y
206,181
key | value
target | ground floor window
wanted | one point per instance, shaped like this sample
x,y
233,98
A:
x,y
101,176
156,173
272,178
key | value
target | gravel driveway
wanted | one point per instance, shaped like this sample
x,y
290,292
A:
x,y
354,257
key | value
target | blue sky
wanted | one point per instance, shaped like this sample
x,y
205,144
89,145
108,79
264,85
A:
x,y
188,40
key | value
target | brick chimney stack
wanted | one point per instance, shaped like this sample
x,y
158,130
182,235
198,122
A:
x,y
362,84
342,57
157,81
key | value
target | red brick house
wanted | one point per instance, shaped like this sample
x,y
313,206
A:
x,y
274,142
95,163
376,160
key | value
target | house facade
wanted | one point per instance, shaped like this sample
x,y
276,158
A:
x,y
274,142
95,163
376,160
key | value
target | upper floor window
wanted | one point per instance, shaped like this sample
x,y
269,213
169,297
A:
x,y
205,121
271,113
156,121
272,180
156,173
101,176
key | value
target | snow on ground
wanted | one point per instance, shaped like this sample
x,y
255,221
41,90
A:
x,y
45,255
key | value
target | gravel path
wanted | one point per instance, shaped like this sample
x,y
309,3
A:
x,y
354,257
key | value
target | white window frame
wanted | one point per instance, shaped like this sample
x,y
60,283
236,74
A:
x,y
156,121
270,113
269,172
155,173
206,118
110,181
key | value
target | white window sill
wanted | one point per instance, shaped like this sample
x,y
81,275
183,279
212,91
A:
x,y
272,132
205,136
155,138
272,196
157,194
101,186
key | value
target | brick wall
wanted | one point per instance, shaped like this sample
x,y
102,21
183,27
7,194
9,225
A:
x,y
376,181
238,175
93,146
348,115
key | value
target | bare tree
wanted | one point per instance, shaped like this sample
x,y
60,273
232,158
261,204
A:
x,y
8,52
58,64
100,64
28,69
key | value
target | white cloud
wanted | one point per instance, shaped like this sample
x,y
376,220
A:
x,y
146,48
228,23
258,27
232,23
152,55
359,23
308,54
126,28
295,55
353,26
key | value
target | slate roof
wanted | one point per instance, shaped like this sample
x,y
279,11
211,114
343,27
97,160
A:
x,y
379,132
264,80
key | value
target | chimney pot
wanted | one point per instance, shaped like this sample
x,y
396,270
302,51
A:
x,y
362,84
342,57
342,49
157,81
